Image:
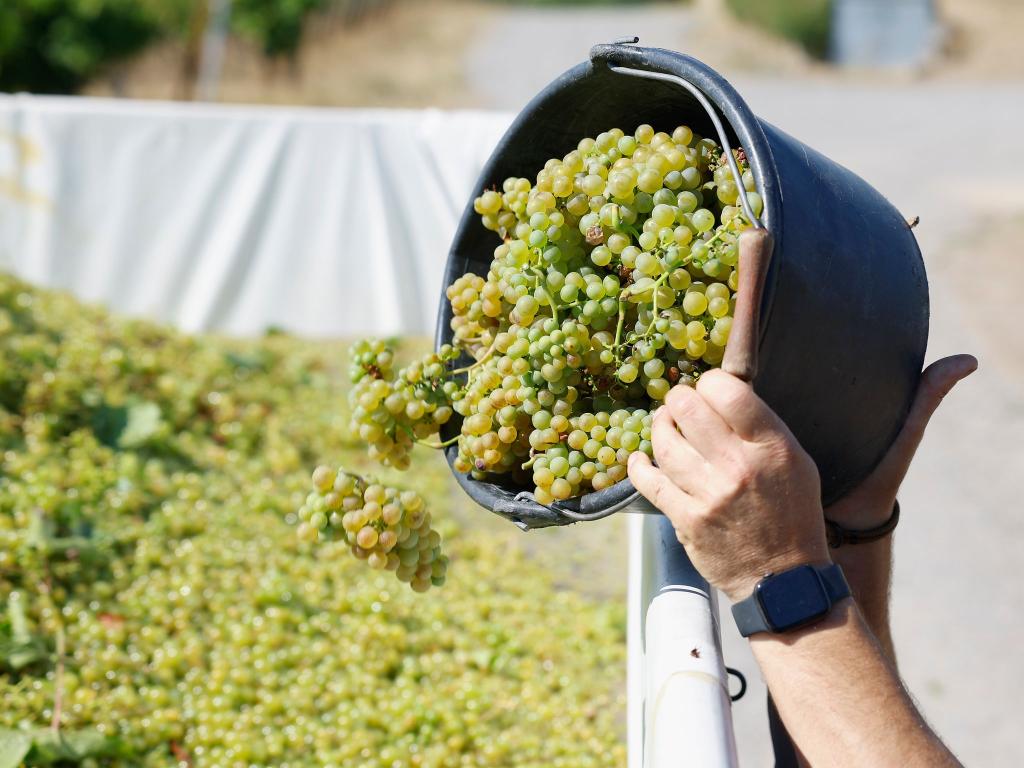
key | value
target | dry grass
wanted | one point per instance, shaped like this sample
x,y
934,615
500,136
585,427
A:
x,y
984,40
406,55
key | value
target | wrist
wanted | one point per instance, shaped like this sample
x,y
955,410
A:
x,y
840,535
843,615
863,515
744,588
789,600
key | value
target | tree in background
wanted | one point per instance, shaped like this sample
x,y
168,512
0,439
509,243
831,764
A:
x,y
275,25
55,46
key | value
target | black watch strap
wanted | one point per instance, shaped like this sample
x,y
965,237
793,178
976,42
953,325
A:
x,y
837,535
747,614
750,619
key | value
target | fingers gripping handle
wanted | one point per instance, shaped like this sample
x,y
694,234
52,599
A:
x,y
741,353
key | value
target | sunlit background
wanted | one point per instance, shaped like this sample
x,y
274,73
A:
x,y
187,182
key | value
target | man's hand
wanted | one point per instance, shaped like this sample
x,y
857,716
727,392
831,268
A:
x,y
870,503
743,496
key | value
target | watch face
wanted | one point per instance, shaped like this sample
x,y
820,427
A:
x,y
792,598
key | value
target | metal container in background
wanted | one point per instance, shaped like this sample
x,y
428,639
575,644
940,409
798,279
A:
x,y
884,33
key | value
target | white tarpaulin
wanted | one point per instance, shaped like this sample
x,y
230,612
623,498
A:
x,y
321,221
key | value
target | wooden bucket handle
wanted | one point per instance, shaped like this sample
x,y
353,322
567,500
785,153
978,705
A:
x,y
740,358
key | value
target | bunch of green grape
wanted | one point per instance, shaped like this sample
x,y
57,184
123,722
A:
x,y
387,527
615,279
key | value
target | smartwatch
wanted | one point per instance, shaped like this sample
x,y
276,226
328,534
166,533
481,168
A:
x,y
792,599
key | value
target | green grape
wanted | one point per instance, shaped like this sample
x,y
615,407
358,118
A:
x,y
695,303
703,219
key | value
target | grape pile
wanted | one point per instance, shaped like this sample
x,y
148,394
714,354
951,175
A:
x,y
615,279
157,608
388,528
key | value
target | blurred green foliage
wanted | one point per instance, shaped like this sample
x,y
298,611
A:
x,y
805,22
53,46
577,2
56,46
274,25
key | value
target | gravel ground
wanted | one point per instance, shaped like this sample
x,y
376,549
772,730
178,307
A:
x,y
957,603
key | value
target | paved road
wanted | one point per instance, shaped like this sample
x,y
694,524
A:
x,y
513,57
950,154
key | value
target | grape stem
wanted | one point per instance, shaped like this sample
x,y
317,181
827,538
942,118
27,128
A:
x,y
714,237
537,276
420,441
478,363
654,307
438,446
540,276
618,326
654,302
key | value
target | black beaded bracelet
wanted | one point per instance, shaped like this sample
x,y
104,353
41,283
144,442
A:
x,y
837,535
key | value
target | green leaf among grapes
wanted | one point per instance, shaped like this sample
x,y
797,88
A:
x,y
249,361
53,748
17,656
108,422
14,746
17,619
43,746
143,424
19,648
41,535
127,426
39,531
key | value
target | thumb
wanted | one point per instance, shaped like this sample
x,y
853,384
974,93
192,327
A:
x,y
936,382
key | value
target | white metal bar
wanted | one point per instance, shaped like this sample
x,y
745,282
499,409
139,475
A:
x,y
676,670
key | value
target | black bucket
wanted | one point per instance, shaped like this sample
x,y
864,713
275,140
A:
x,y
844,306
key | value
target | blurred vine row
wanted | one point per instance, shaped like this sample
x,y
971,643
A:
x,y
57,46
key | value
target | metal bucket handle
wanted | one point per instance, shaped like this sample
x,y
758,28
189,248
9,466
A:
x,y
755,245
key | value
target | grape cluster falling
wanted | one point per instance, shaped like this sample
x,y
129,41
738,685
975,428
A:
x,y
387,527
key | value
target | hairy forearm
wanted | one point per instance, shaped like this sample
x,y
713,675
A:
x,y
840,698
868,569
